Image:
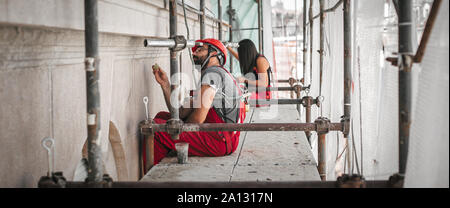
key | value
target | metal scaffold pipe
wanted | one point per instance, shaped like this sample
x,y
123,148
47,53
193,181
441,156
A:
x,y
240,184
406,54
305,49
170,43
148,129
95,165
219,9
290,80
322,31
347,75
311,39
321,145
202,19
294,88
275,102
230,31
174,70
260,27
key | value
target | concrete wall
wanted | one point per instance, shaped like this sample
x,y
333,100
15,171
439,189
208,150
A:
x,y
42,80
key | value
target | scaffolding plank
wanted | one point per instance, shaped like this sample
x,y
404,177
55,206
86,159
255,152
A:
x,y
261,156
197,168
276,156
188,172
276,173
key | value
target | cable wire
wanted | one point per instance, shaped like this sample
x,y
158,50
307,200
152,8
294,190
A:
x,y
190,52
360,113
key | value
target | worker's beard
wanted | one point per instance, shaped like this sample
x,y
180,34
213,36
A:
x,y
199,60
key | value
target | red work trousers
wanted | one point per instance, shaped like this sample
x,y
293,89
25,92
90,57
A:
x,y
207,144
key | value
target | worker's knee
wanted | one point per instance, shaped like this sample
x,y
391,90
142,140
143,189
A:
x,y
163,115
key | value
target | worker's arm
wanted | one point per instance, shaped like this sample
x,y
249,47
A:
x,y
205,99
262,65
163,80
185,111
234,53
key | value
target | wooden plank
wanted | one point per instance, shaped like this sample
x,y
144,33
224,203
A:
x,y
118,152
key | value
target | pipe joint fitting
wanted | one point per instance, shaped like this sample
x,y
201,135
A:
x,y
146,127
345,121
174,128
180,43
353,181
322,125
396,181
318,101
57,180
307,101
292,81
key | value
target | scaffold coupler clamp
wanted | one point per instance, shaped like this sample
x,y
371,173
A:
x,y
306,101
180,43
345,121
353,181
146,127
106,182
175,128
56,180
298,88
292,81
396,181
322,125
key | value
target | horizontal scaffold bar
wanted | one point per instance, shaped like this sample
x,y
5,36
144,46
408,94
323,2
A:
x,y
148,129
170,43
275,102
293,88
244,184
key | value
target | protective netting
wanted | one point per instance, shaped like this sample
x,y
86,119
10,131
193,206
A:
x,y
374,132
428,157
375,93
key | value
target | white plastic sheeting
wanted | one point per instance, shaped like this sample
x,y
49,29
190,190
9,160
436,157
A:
x,y
428,158
375,95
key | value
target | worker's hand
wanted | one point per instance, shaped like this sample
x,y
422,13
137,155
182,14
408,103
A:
x,y
161,76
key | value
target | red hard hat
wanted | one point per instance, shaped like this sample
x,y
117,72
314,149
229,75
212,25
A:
x,y
216,43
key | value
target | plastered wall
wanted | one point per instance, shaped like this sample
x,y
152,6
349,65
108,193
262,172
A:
x,y
43,84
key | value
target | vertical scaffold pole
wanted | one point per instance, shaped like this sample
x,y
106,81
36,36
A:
x,y
230,9
321,144
406,54
219,9
174,70
260,27
311,43
305,49
347,76
202,19
95,166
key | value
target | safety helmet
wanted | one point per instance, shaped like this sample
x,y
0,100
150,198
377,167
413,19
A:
x,y
218,45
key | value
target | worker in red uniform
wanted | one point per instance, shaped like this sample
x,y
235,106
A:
x,y
218,100
255,68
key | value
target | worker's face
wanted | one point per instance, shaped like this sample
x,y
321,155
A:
x,y
200,54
